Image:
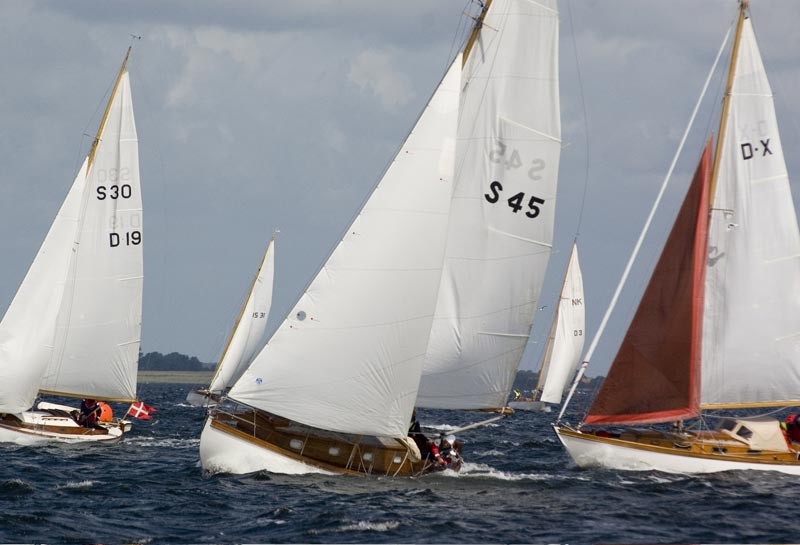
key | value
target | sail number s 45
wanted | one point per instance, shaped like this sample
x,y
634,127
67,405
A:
x,y
516,202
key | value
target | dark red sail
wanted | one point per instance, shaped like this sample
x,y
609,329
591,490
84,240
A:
x,y
655,376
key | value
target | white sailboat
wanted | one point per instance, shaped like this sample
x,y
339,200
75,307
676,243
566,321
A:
x,y
335,387
562,354
74,324
246,337
502,214
717,327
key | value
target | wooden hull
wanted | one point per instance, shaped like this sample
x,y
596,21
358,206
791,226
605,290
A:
x,y
250,441
652,450
39,427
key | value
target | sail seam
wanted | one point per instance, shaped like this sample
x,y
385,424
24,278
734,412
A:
x,y
531,129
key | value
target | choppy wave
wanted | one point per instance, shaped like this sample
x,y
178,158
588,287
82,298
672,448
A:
x,y
516,484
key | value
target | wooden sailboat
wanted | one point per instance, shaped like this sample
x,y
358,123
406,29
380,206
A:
x,y
502,214
717,327
562,354
246,337
74,325
335,387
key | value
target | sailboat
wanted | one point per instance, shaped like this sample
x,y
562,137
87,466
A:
x,y
717,325
73,327
246,337
335,387
562,355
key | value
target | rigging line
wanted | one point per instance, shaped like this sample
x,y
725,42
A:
x,y
585,119
646,228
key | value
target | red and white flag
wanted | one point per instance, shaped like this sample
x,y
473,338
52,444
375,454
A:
x,y
141,410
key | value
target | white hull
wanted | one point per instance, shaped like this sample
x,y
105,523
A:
x,y
221,452
590,452
43,427
538,406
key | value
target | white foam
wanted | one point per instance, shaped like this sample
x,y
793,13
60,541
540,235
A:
x,y
79,484
368,526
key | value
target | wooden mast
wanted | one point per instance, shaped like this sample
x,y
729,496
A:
x,y
475,31
108,109
726,101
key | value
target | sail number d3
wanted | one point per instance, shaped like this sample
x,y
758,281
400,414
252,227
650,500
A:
x,y
515,202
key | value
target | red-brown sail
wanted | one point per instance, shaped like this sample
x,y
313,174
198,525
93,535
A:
x,y
655,376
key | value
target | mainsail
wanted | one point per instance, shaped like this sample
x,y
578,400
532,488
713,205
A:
x,y
73,326
752,295
501,218
565,342
98,329
348,356
248,332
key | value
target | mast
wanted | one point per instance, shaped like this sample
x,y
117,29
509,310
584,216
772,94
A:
x,y
475,31
108,109
726,101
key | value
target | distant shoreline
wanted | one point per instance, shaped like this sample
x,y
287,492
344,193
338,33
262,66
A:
x,y
175,377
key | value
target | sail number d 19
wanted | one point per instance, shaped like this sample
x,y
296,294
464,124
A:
x,y
516,202
131,238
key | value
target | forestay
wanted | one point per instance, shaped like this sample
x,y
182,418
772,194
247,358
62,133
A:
x,y
99,321
501,217
566,344
248,333
348,356
751,335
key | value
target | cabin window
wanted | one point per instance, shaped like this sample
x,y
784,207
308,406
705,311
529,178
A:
x,y
744,433
301,315
367,456
397,460
296,444
727,425
333,451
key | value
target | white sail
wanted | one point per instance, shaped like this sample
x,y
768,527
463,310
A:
x,y
501,218
97,342
565,352
751,337
248,335
348,356
28,327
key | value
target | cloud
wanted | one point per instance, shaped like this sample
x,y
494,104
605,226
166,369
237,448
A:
x,y
372,71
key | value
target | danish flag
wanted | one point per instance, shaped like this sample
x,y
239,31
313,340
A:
x,y
141,410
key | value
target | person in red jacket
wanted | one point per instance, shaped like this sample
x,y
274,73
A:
x,y
793,428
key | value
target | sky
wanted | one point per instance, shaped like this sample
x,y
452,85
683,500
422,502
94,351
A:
x,y
255,116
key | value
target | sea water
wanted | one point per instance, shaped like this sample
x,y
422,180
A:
x,y
517,486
